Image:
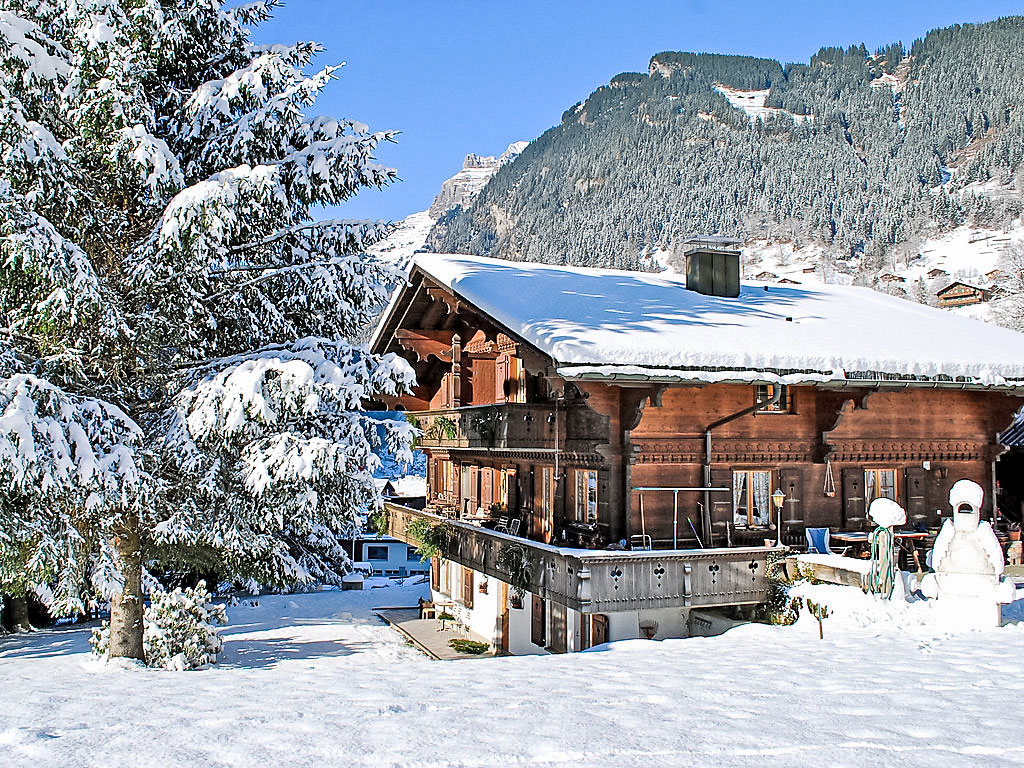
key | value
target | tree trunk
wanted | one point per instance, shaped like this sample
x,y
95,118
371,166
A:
x,y
17,607
126,608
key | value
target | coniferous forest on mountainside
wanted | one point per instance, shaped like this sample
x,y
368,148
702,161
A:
x,y
857,150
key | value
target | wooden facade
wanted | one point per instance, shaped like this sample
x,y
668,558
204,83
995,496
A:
x,y
508,439
960,294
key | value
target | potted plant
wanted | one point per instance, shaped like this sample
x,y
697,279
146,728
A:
x,y
1014,531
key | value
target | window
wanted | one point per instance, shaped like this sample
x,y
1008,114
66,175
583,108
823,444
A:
x,y
412,553
751,497
879,484
763,392
376,552
586,495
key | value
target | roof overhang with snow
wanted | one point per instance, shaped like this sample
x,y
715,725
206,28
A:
x,y
614,325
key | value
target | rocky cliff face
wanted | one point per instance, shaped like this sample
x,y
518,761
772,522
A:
x,y
476,170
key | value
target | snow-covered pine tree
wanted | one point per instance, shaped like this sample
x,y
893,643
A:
x,y
171,304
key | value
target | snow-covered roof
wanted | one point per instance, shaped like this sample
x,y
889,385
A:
x,y
409,486
601,323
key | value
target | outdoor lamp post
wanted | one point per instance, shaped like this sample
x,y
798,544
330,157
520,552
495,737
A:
x,y
777,498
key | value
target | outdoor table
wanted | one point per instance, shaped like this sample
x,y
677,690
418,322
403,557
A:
x,y
861,539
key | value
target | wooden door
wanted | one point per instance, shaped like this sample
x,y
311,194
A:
x,y
538,623
598,629
854,512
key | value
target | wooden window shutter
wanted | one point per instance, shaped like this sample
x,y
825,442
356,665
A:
x,y
721,506
537,625
467,587
435,574
487,487
854,513
791,483
559,629
916,495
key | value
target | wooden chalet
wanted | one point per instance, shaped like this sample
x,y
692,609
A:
x,y
610,441
961,294
889,278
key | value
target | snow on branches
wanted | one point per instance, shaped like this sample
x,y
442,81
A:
x,y
276,443
158,172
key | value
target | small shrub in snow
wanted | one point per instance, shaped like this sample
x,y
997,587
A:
x,y
473,647
181,630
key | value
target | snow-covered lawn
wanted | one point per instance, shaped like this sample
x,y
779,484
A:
x,y
317,680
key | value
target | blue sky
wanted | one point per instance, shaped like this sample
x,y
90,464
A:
x,y
458,77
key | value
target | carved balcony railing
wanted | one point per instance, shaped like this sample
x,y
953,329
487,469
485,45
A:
x,y
512,426
596,581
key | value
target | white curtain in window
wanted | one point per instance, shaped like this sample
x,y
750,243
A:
x,y
762,482
739,498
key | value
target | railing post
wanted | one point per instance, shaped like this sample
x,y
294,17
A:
x,y
584,587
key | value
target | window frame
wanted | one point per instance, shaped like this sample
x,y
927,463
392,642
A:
x,y
369,547
876,471
766,391
581,509
748,503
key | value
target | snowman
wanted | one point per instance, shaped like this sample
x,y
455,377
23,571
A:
x,y
968,561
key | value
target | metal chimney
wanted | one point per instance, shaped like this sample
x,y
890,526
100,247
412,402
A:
x,y
713,265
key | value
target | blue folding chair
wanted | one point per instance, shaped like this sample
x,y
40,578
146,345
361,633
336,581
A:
x,y
818,542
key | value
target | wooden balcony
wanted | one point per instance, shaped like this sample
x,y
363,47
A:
x,y
597,581
512,426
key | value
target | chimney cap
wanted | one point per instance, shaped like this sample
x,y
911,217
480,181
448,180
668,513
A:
x,y
711,243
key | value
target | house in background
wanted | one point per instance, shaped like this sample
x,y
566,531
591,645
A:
x,y
386,556
610,442
961,294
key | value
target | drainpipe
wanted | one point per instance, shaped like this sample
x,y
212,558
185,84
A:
x,y
706,512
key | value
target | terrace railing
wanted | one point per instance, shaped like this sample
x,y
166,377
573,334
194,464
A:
x,y
596,581
511,426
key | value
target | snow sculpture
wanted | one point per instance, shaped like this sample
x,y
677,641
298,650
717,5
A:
x,y
968,562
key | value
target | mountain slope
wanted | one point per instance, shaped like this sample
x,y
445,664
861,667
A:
x,y
859,153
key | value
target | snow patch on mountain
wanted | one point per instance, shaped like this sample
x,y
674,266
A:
x,y
467,183
410,234
753,103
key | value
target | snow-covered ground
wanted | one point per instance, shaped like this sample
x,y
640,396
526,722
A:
x,y
317,680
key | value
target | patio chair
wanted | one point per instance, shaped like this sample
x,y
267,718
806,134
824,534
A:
x,y
513,527
818,542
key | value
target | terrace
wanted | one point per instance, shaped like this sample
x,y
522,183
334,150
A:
x,y
591,580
